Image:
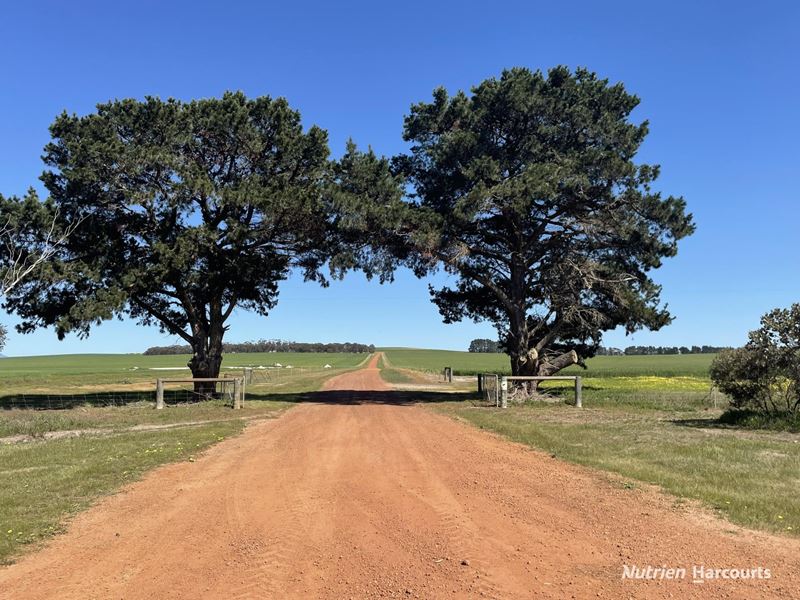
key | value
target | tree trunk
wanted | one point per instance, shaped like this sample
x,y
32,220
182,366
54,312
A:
x,y
206,363
553,366
207,348
521,365
525,363
528,364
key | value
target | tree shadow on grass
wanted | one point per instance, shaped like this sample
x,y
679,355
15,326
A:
x,y
704,423
95,399
123,398
745,420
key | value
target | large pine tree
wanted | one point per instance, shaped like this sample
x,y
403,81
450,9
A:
x,y
533,200
185,212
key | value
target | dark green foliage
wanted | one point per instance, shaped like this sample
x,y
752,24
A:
x,y
187,212
531,197
734,372
764,375
484,345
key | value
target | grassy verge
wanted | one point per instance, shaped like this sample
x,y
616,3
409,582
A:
x,y
293,386
41,484
88,373
390,375
675,442
38,422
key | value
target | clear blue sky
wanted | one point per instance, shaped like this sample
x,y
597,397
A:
x,y
718,82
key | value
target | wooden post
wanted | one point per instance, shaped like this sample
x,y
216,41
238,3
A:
x,y
480,382
159,394
237,390
504,393
244,391
578,392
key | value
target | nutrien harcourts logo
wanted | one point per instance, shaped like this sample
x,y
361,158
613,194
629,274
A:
x,y
698,573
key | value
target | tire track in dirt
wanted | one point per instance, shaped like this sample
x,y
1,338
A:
x,y
264,553
462,536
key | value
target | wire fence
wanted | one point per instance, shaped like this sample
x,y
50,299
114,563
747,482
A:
x,y
489,387
63,401
123,398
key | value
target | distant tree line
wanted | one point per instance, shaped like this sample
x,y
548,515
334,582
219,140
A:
x,y
654,350
268,346
485,345
603,351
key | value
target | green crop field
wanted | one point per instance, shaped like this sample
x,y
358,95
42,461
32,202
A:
x,y
97,363
61,372
471,363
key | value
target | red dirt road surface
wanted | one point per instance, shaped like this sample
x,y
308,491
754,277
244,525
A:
x,y
361,497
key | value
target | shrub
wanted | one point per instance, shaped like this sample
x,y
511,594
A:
x,y
764,375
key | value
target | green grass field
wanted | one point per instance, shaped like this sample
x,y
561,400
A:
x,y
61,373
101,363
471,363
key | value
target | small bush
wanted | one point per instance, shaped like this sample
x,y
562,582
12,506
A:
x,y
764,375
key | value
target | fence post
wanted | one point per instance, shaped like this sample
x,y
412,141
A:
x,y
237,390
503,393
159,394
578,392
480,382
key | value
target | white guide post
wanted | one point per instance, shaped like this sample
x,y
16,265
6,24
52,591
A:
x,y
238,391
159,394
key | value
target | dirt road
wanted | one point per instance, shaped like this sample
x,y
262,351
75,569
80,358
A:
x,y
367,499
